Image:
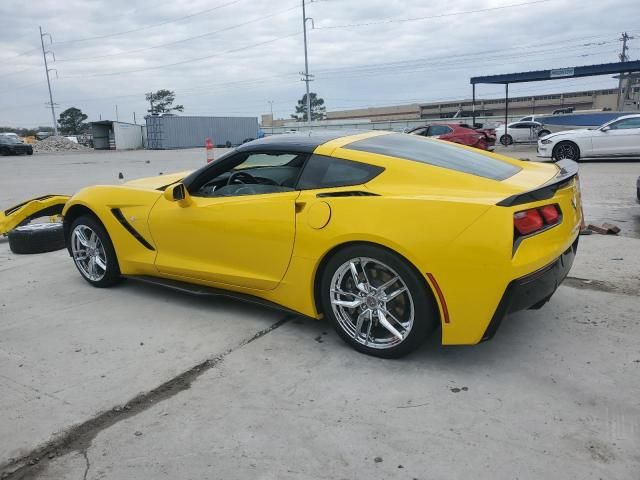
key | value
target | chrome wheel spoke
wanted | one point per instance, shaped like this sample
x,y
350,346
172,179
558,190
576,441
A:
x,y
386,324
100,263
394,294
387,284
360,322
347,303
356,278
79,234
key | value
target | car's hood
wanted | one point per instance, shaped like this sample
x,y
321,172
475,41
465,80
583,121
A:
x,y
582,132
154,183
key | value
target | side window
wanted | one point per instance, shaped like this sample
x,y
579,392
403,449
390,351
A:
x,y
250,174
326,172
526,119
626,124
436,130
419,131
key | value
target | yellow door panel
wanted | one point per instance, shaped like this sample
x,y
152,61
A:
x,y
241,240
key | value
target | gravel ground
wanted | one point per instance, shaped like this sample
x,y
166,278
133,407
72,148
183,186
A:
x,y
140,382
55,144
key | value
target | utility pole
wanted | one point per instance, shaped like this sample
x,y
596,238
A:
x,y
47,70
117,119
307,77
623,58
134,118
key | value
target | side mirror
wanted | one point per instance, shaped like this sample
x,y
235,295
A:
x,y
178,193
605,129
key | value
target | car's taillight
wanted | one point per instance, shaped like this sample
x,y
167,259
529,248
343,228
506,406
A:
x,y
528,221
550,214
535,219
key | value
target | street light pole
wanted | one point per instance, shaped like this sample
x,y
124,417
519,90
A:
x,y
306,59
46,69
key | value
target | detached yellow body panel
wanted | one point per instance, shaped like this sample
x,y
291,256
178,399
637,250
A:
x,y
37,207
446,222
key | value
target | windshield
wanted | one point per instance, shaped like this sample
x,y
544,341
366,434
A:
x,y
8,140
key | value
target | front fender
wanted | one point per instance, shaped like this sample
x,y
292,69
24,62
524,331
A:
x,y
124,213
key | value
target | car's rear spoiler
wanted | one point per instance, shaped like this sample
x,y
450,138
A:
x,y
567,170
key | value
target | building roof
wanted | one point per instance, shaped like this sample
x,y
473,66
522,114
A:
x,y
557,73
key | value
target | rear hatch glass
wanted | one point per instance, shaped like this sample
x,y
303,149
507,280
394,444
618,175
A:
x,y
436,153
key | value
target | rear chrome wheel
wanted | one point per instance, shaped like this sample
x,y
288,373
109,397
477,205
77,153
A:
x,y
377,301
372,303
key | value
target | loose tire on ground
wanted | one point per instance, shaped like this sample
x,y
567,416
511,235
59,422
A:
x,y
36,238
88,238
376,266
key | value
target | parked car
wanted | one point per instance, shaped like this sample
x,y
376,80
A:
x,y
618,138
12,146
484,139
12,135
386,235
522,132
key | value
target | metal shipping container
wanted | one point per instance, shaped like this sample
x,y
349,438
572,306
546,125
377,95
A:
x,y
110,135
172,131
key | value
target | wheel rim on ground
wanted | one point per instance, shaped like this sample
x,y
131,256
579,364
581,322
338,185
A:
x,y
565,150
88,253
372,303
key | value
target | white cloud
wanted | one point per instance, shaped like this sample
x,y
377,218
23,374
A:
x,y
384,63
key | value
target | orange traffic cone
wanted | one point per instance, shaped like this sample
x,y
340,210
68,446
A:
x,y
208,145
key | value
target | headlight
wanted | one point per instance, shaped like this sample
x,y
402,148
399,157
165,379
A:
x,y
546,142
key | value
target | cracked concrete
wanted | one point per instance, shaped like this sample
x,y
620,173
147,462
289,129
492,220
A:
x,y
553,394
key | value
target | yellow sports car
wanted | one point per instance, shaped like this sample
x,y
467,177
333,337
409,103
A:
x,y
387,235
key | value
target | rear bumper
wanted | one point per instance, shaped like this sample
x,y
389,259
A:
x,y
533,290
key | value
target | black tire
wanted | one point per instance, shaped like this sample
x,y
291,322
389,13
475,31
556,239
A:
x,y
4,152
30,152
36,238
112,273
426,314
506,140
543,133
566,150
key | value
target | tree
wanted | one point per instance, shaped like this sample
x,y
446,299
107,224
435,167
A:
x,y
71,121
162,102
318,110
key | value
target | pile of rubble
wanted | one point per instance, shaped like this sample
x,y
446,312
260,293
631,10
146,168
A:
x,y
57,144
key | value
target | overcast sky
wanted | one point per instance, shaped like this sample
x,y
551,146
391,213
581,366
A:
x,y
249,52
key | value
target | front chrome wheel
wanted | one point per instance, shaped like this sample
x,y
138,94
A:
x,y
88,253
372,303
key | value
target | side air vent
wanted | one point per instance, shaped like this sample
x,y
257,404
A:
x,y
351,193
123,221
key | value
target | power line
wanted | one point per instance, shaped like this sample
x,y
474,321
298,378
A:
x,y
190,60
139,29
430,17
196,37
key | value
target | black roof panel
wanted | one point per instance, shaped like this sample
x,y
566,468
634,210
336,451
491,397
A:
x,y
305,142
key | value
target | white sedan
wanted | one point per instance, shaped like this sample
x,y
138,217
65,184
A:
x,y
618,138
521,132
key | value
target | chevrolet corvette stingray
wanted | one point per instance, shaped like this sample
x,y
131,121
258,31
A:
x,y
386,235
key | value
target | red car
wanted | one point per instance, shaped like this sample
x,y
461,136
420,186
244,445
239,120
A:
x,y
482,138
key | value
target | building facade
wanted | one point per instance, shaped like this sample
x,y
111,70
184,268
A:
x,y
604,99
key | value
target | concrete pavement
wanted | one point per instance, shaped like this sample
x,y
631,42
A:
x,y
140,382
